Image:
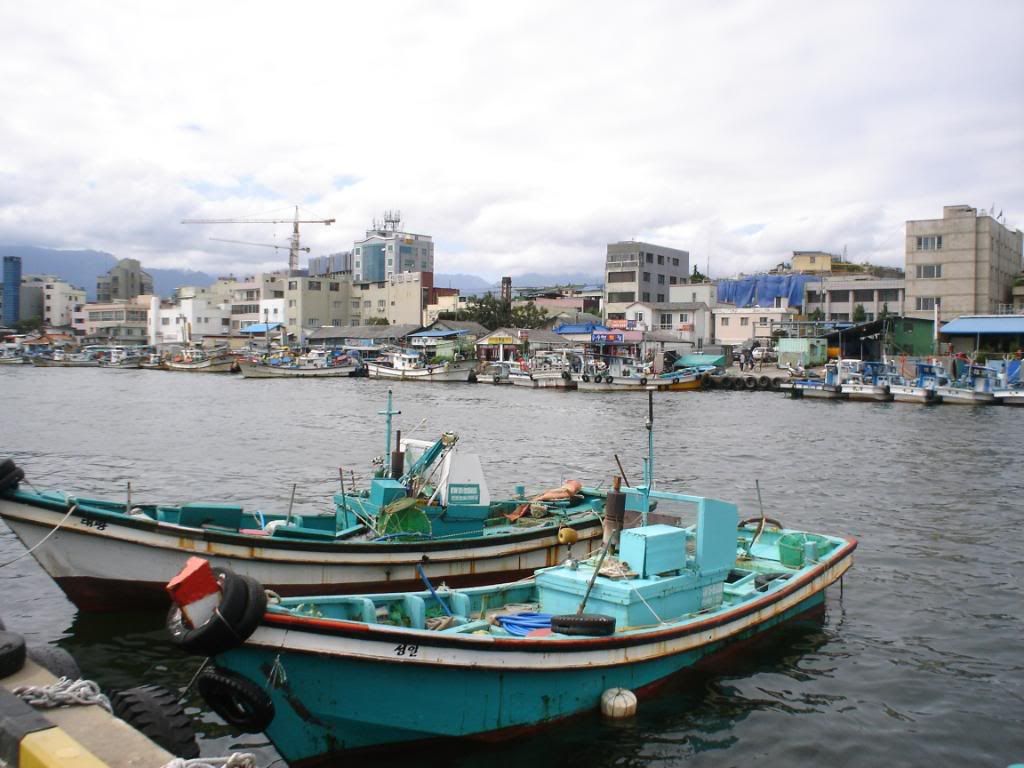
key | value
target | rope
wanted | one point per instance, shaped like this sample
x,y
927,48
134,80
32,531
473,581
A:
x,y
65,692
42,541
235,760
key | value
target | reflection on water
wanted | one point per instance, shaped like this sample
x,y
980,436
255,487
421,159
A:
x,y
918,664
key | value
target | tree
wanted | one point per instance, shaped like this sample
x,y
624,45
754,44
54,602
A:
x,y
377,321
27,326
859,315
492,312
816,316
697,277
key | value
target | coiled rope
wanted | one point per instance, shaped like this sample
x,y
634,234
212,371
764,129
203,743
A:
x,y
65,692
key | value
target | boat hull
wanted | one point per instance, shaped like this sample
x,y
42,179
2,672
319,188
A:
x,y
42,362
1010,396
909,394
961,396
12,361
105,566
260,371
206,366
490,687
452,372
615,385
870,392
821,391
542,380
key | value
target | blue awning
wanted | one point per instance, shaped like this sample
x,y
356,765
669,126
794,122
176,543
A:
x,y
437,334
260,328
1001,325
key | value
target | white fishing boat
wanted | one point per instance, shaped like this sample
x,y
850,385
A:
x,y
545,369
86,358
198,360
865,380
610,373
975,386
410,365
121,358
317,363
922,388
827,388
11,356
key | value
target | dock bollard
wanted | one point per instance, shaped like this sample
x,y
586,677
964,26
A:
x,y
618,703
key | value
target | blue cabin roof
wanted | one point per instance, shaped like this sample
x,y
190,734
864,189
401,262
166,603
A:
x,y
984,324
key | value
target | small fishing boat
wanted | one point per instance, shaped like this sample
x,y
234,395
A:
x,y
494,662
546,369
60,358
121,358
198,360
1011,388
682,379
317,363
11,356
437,517
829,387
922,388
611,373
867,380
974,386
410,365
497,372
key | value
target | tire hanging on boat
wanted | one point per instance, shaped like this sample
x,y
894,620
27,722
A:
x,y
643,381
237,700
11,478
608,379
585,377
223,630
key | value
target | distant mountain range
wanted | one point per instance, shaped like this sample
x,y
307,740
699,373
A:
x,y
81,268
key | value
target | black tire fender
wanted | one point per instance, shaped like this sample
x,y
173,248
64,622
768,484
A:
x,y
750,382
255,607
593,624
585,377
55,660
496,378
6,466
756,520
237,700
643,381
221,632
12,653
608,379
565,375
11,479
763,382
705,379
155,712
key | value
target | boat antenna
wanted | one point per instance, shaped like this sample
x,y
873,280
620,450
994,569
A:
x,y
649,461
388,413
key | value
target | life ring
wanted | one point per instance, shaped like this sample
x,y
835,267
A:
x,y
239,701
155,712
643,381
593,624
585,377
240,609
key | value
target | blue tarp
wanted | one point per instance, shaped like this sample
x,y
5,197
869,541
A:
x,y
260,328
997,324
762,290
580,328
438,334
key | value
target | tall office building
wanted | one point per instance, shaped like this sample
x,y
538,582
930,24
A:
x,y
964,262
11,291
387,250
124,281
636,271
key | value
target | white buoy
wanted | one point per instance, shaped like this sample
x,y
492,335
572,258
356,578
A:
x,y
618,703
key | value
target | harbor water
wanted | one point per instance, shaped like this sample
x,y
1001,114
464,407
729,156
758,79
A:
x,y
916,661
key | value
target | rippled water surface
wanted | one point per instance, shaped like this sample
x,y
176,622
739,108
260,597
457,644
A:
x,y
919,661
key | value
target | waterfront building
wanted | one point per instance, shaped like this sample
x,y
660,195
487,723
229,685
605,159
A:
x,y
638,271
118,322
399,299
10,298
332,264
387,250
684,321
736,325
706,293
962,264
837,298
970,334
362,335
312,302
49,299
196,313
445,300
512,343
124,281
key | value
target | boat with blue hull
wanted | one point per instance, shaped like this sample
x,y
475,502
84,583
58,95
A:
x,y
491,662
829,387
922,388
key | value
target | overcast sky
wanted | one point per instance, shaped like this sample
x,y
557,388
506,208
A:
x,y
523,136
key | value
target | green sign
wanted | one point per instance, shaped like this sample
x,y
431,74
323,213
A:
x,y
463,493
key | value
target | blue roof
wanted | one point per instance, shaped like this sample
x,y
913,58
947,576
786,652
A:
x,y
984,324
435,334
260,328
580,328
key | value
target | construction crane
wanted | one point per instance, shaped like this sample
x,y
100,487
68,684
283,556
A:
x,y
293,249
261,245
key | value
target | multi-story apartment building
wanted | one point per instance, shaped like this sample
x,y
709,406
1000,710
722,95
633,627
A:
x,y
332,264
124,281
637,271
964,263
386,251
735,325
120,322
49,299
838,297
400,299
313,302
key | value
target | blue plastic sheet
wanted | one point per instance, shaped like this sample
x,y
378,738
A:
x,y
762,290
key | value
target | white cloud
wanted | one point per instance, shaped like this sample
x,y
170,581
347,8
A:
x,y
523,138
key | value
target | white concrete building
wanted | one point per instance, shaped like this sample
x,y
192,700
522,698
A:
x,y
706,292
689,322
735,325
838,297
637,271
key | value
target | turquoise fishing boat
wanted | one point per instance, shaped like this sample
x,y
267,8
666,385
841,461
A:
x,y
324,675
